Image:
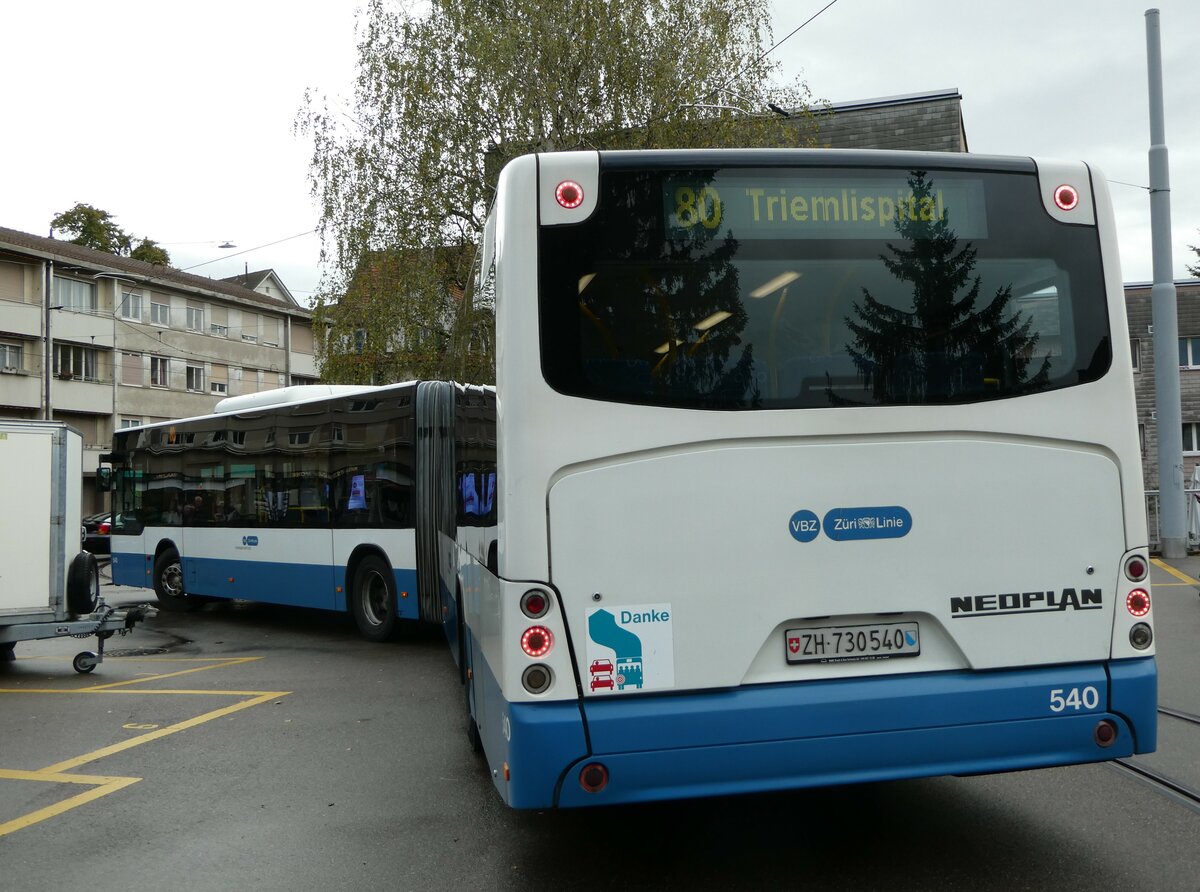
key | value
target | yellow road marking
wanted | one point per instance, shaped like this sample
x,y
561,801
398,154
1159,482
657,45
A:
x,y
1178,574
163,732
236,661
103,785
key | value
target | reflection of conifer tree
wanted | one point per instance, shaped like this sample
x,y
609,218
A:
x,y
656,292
942,347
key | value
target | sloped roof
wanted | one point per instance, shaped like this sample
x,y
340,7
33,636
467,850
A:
x,y
255,280
24,244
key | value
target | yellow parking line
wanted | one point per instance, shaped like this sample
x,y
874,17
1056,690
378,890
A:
x,y
235,661
163,732
101,786
1178,574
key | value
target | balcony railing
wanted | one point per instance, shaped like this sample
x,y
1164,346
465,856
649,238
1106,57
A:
x,y
1191,500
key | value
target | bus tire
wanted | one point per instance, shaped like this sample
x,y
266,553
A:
x,y
168,583
373,599
83,584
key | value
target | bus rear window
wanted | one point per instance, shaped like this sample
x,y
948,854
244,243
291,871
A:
x,y
790,288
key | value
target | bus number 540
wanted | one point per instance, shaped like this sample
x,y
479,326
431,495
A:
x,y
1088,698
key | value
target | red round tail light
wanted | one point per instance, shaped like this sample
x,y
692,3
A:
x,y
569,194
535,603
1105,733
1137,602
1066,197
593,777
1136,569
537,641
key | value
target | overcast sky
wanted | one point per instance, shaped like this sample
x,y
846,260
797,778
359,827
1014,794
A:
x,y
178,118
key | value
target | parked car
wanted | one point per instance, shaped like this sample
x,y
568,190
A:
x,y
96,533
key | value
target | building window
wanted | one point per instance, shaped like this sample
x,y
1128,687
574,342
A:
x,y
1189,353
131,305
299,438
159,371
133,370
10,357
270,331
1191,436
195,378
130,422
1135,351
160,314
75,362
72,294
219,387
218,331
195,318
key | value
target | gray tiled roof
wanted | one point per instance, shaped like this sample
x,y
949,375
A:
x,y
64,253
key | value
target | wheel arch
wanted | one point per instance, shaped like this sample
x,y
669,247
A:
x,y
166,545
356,557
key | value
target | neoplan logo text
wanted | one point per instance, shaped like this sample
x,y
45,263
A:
x,y
1026,602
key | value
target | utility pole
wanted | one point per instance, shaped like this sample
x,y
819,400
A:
x,y
1171,510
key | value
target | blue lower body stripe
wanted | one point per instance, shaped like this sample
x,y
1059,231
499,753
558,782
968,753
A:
x,y
789,736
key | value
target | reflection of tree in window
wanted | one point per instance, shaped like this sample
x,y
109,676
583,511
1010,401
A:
x,y
663,316
941,345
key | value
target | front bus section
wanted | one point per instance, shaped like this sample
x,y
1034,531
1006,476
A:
x,y
836,477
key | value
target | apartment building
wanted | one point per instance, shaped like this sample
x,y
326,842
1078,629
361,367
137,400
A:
x,y
103,342
1141,333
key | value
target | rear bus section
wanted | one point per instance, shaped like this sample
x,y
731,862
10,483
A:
x,y
836,476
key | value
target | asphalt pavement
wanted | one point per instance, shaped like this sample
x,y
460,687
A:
x,y
252,745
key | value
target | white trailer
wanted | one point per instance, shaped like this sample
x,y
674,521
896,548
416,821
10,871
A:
x,y
49,587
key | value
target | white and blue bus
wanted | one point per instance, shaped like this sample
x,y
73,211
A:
x,y
801,468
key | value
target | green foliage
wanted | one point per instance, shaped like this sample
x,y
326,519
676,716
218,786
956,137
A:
x,y
1194,270
94,228
150,251
446,96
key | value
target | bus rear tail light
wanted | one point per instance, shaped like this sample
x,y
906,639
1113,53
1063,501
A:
x,y
1105,733
537,678
1141,636
593,777
1136,568
1137,602
537,641
569,194
1066,197
535,603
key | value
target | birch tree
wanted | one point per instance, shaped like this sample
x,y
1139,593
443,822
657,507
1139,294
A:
x,y
447,91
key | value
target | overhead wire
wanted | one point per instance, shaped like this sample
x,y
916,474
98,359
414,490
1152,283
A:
x,y
256,248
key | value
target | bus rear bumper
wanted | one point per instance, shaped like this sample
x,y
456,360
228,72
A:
x,y
778,737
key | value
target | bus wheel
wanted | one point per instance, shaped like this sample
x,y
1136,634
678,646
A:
x,y
168,583
373,599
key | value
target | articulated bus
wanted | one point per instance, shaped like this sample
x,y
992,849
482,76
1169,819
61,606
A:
x,y
802,467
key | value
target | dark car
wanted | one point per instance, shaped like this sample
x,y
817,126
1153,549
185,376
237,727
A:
x,y
96,531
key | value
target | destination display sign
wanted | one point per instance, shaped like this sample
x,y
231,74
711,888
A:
x,y
743,205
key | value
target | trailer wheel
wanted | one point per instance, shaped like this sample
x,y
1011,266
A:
x,y
373,599
168,583
83,584
7,651
85,662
